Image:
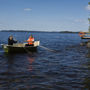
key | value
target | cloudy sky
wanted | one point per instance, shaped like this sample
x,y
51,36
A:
x,y
44,15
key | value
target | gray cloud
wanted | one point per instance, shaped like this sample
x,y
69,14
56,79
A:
x,y
27,9
88,7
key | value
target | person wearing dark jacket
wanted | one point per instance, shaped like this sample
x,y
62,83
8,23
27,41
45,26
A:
x,y
11,41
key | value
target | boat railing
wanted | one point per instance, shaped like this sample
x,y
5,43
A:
x,y
36,43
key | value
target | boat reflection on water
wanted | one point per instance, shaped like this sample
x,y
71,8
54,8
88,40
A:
x,y
30,66
7,75
87,79
17,75
87,83
10,62
88,54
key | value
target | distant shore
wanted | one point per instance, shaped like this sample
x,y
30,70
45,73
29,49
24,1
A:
x,y
38,31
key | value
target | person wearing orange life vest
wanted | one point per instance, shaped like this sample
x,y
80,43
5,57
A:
x,y
30,41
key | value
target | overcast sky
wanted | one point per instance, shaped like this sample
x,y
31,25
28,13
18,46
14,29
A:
x,y
44,15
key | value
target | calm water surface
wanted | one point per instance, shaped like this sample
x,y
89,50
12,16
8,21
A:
x,y
66,69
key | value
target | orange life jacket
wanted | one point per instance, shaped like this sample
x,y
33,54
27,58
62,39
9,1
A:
x,y
30,41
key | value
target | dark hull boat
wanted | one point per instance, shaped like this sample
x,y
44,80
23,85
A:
x,y
85,37
20,47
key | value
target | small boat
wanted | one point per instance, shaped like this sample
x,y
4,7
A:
x,y
20,47
85,37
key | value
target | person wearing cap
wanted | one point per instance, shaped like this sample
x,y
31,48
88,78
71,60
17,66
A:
x,y
11,40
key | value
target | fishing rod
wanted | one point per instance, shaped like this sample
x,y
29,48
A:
x,y
51,50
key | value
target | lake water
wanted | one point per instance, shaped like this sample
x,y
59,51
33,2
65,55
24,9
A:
x,y
66,69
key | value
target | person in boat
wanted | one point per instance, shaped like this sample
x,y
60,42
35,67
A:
x,y
30,41
11,41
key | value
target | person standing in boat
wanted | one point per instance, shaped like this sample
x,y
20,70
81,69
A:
x,y
30,41
11,40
